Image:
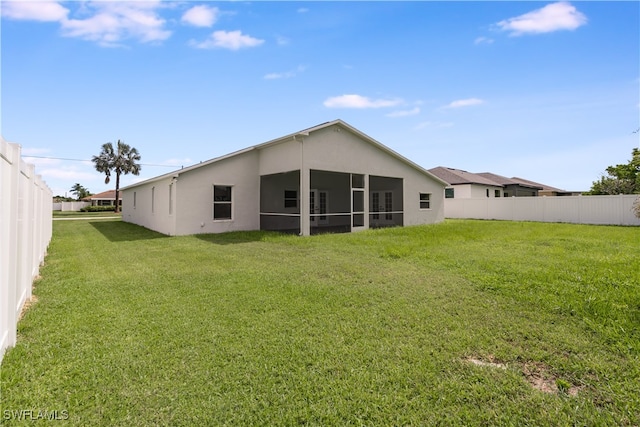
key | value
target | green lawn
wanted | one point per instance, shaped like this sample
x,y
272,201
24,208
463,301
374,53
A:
x,y
459,323
77,214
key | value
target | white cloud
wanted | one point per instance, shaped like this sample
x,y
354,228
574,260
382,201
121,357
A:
x,y
358,101
286,74
552,17
68,173
113,22
39,161
233,40
464,103
46,11
434,125
303,10
405,113
201,16
33,151
483,40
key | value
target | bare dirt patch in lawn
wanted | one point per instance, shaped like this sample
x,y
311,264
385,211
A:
x,y
537,374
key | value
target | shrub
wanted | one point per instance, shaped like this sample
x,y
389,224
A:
x,y
98,209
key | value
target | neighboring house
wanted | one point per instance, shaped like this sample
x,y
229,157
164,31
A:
x,y
511,187
106,198
465,185
547,190
328,178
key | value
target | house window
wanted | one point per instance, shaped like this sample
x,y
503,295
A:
x,y
221,202
448,193
497,193
487,192
290,198
134,199
425,201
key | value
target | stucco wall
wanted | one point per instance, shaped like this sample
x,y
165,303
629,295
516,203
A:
x,y
337,149
195,196
150,208
334,148
283,157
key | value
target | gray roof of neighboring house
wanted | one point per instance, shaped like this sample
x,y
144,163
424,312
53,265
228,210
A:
x,y
503,180
458,176
537,184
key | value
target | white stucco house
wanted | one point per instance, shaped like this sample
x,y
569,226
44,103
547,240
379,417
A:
x,y
328,178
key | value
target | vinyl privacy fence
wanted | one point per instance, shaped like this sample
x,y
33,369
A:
x,y
25,233
70,206
604,210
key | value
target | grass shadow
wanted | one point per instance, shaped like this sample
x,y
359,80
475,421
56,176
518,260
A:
x,y
118,231
234,237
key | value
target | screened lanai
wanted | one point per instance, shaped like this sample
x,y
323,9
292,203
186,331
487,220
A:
x,y
338,202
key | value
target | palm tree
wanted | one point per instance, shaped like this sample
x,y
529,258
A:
x,y
121,160
80,191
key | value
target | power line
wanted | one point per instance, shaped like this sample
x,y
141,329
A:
x,y
84,160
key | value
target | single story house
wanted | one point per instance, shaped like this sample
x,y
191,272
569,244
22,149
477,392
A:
x,y
547,190
467,185
106,198
328,178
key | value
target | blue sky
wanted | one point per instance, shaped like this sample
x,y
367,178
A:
x,y
547,91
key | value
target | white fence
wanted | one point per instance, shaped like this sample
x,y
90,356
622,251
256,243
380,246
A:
x,y
25,233
606,210
70,206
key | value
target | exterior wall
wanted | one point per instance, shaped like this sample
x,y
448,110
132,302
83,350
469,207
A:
x,y
471,191
461,191
195,196
337,149
605,210
332,149
283,157
150,208
478,190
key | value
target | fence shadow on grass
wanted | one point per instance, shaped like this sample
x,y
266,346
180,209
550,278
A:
x,y
118,231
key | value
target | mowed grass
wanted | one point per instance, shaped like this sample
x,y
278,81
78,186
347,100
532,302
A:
x,y
78,214
459,323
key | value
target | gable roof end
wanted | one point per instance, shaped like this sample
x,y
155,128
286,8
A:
x,y
293,136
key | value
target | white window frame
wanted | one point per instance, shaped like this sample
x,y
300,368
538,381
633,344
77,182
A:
x,y
427,201
230,203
